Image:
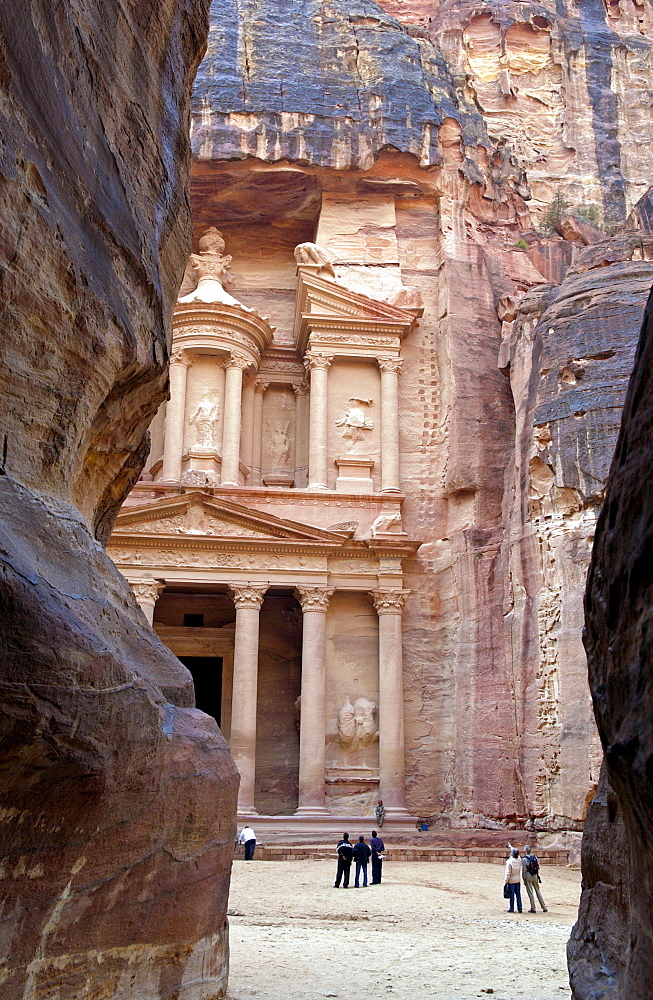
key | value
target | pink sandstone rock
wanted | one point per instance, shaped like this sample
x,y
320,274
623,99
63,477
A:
x,y
117,795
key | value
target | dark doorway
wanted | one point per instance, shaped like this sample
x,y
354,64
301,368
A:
x,y
207,677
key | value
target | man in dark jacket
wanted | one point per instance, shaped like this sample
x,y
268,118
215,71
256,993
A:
x,y
345,854
361,857
377,846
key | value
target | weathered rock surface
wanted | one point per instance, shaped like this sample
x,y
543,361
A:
x,y
611,950
117,795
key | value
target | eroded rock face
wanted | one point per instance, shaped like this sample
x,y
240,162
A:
x,y
117,795
611,950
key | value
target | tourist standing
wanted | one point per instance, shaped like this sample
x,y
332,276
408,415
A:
x,y
248,838
379,812
377,847
531,876
345,853
361,857
513,879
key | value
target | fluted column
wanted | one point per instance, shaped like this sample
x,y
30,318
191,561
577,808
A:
x,y
248,600
233,389
318,365
312,725
390,369
301,399
147,593
247,436
173,444
389,605
257,448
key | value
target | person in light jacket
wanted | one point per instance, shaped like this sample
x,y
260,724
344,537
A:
x,y
513,879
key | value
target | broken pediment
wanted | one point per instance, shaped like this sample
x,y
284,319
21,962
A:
x,y
321,302
203,515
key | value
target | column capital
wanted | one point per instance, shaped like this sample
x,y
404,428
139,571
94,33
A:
x,y
181,357
314,598
249,381
301,389
313,360
261,386
147,591
389,602
390,365
250,595
238,361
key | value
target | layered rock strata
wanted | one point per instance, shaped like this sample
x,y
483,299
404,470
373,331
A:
x,y
611,947
117,795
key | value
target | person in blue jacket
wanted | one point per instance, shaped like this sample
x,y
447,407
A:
x,y
361,857
377,847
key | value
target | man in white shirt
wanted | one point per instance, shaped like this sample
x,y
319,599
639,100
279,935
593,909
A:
x,y
248,838
513,879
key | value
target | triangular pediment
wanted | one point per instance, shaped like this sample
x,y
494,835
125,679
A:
x,y
322,298
205,516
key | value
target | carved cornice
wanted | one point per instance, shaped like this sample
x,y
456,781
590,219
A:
x,y
314,598
394,365
249,596
313,360
147,591
389,602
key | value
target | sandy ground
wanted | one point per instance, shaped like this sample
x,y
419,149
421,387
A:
x,y
429,932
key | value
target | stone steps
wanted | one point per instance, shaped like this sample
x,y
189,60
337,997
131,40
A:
x,y
402,852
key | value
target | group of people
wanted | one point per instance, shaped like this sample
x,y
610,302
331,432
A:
x,y
360,853
528,869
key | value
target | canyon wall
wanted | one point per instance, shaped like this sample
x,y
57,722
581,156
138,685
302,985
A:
x,y
423,144
118,796
610,952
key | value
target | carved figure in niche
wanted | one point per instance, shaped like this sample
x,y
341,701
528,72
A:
x,y
278,443
205,419
311,253
356,725
355,423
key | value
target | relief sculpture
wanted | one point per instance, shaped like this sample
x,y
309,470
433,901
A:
x,y
278,443
355,423
205,419
356,725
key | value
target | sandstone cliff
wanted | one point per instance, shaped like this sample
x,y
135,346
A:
x,y
117,795
462,128
611,952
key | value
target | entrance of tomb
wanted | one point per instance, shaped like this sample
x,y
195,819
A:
x,y
207,679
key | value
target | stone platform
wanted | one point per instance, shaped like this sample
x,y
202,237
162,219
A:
x,y
293,838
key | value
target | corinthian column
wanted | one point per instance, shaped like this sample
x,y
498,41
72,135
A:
x,y
248,600
173,442
389,605
312,726
147,593
318,365
301,398
257,446
390,369
247,435
233,390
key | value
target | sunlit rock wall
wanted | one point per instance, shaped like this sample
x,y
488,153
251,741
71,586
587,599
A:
x,y
466,125
117,795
